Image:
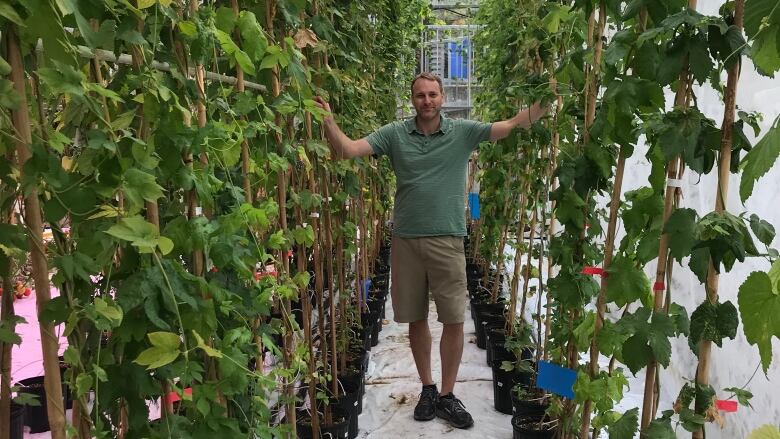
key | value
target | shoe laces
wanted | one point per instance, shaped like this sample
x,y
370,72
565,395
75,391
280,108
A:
x,y
429,394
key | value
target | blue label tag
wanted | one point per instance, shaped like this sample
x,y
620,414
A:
x,y
556,379
366,287
474,205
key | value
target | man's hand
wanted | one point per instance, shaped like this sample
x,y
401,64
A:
x,y
523,119
343,146
533,113
323,105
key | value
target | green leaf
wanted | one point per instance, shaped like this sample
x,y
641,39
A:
x,y
569,209
680,227
108,311
155,357
63,79
83,384
165,340
759,160
8,12
139,232
765,51
188,28
211,352
626,283
140,186
553,19
626,426
765,432
759,306
636,353
764,231
230,47
165,245
713,322
225,19
659,429
143,4
743,396
758,13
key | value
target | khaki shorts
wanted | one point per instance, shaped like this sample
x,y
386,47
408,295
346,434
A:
x,y
419,265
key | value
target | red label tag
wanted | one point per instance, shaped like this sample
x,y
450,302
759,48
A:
x,y
260,275
173,396
659,286
726,405
593,270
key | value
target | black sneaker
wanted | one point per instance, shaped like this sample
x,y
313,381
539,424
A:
x,y
426,406
453,411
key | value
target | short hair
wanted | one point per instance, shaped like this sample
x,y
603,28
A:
x,y
430,77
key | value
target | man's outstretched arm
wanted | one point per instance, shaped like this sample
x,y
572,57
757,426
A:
x,y
343,146
523,119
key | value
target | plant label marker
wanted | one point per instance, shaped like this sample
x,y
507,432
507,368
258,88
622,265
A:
x,y
726,405
674,182
474,205
556,379
366,286
594,271
659,287
315,215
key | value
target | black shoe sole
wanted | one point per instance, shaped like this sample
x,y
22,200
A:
x,y
426,418
442,414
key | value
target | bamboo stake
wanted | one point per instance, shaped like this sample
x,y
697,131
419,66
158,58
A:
x,y
334,369
556,139
724,166
307,331
651,373
595,40
518,266
6,313
240,87
528,265
284,261
34,223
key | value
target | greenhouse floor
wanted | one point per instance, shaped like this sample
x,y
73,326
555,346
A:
x,y
392,384
393,387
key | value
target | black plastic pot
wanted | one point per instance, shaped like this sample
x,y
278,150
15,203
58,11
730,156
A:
x,y
17,421
503,381
377,326
523,428
529,408
479,308
37,417
65,388
486,322
351,401
494,342
339,429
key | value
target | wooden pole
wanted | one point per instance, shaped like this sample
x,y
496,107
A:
x,y
724,166
34,223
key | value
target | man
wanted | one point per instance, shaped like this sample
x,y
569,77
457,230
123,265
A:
x,y
429,154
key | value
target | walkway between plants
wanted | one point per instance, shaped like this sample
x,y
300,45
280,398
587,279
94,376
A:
x,y
393,387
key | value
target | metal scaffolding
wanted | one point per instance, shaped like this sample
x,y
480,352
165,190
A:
x,y
447,50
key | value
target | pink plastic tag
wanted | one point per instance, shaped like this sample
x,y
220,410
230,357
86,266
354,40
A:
x,y
659,286
726,405
593,271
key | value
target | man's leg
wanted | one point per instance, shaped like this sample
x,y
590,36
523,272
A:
x,y
420,342
451,351
409,289
447,276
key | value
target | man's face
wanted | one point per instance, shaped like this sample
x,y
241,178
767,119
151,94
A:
x,y
427,99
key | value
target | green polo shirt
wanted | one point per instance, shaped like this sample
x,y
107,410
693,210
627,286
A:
x,y
430,174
